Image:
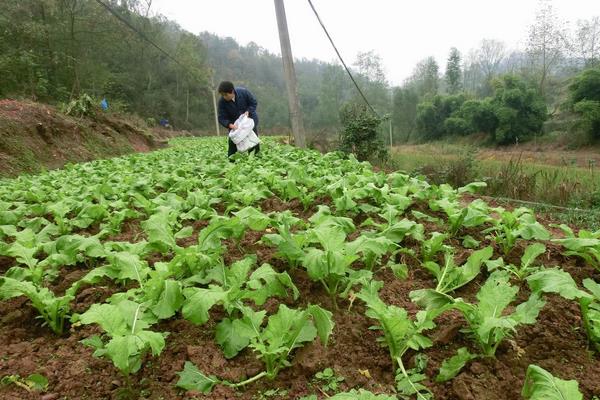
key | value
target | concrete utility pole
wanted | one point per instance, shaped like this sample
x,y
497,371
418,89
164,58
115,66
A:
x,y
214,98
290,75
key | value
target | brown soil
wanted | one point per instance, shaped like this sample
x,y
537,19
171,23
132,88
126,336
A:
x,y
34,135
556,342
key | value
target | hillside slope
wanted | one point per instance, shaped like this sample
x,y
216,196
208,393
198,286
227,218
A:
x,y
36,136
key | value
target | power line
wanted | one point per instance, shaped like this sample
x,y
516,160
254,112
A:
x,y
143,36
341,59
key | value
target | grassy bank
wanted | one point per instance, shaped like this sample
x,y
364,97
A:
x,y
568,179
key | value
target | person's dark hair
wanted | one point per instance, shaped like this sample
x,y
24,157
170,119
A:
x,y
225,87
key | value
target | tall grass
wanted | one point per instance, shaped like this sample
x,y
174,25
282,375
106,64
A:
x,y
566,185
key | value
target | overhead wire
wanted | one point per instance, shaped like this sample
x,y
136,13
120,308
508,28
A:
x,y
341,59
144,37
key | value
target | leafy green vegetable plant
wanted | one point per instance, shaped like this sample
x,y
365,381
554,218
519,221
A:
x,y
285,331
451,277
235,284
526,268
585,244
328,381
34,382
400,333
53,309
126,325
515,225
542,385
488,323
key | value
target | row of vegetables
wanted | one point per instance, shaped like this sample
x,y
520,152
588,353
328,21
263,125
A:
x,y
68,218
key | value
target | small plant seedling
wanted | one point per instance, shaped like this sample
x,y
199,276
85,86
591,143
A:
x,y
328,380
34,382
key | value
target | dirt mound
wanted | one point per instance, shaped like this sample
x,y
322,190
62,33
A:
x,y
35,136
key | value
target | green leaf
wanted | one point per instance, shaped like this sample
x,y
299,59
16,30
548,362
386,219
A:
x,y
361,394
199,301
555,280
541,385
128,266
230,338
191,378
470,242
527,312
184,232
323,322
170,300
253,219
531,253
122,351
593,287
107,316
37,382
452,366
400,270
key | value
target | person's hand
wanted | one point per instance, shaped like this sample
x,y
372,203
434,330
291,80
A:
x,y
233,126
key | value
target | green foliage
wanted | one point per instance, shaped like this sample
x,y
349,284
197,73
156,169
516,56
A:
x,y
590,112
191,378
284,332
408,382
526,268
585,86
451,277
400,333
585,244
328,381
488,322
454,72
404,112
53,309
479,116
542,385
514,225
360,134
126,323
452,366
35,382
80,107
590,311
520,110
354,394
432,114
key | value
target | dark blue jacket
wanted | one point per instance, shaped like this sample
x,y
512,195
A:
x,y
229,111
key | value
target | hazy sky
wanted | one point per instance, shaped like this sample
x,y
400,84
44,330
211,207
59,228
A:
x,y
401,32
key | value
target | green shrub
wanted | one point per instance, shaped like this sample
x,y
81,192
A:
x,y
360,135
82,106
457,125
432,114
480,115
520,110
590,112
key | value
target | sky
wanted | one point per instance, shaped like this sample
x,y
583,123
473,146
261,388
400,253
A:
x,y
401,32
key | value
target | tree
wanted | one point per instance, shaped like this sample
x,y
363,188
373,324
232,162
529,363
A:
x,y
586,43
404,111
520,110
432,115
425,78
369,64
585,100
360,134
489,56
547,42
453,72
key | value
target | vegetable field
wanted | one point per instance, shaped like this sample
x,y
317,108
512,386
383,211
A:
x,y
176,274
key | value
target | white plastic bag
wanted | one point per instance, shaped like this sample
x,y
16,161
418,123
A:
x,y
244,136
